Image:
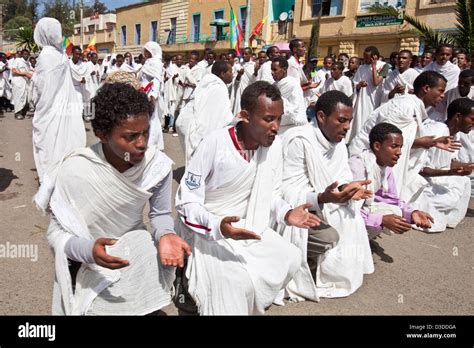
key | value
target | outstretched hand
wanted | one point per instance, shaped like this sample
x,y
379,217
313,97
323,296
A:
x,y
171,249
422,219
105,260
354,190
229,231
301,218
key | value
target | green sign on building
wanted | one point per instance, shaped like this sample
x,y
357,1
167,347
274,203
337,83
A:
x,y
377,21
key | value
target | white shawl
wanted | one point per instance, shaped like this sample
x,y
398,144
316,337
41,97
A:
x,y
252,196
153,66
342,268
211,111
407,112
449,70
20,85
344,85
57,126
294,103
108,204
407,78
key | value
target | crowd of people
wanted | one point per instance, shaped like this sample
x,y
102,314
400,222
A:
x,y
290,169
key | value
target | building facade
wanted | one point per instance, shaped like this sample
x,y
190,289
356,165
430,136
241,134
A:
x,y
346,26
100,26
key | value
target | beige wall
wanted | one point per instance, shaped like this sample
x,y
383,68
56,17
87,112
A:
x,y
341,34
144,14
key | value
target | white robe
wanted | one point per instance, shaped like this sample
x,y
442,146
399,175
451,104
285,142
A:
x,y
20,85
246,79
265,72
440,112
466,153
193,76
228,276
57,125
344,85
293,102
79,72
311,164
364,99
407,78
210,110
407,112
5,85
449,70
82,194
447,197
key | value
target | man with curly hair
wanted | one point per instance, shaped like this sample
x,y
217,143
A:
x,y
96,197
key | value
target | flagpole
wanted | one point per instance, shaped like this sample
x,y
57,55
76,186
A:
x,y
247,27
82,25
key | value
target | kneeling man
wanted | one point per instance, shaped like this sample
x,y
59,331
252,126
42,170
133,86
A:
x,y
227,201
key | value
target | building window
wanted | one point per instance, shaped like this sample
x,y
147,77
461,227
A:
x,y
138,34
327,7
365,4
243,19
196,27
172,33
218,32
154,31
124,35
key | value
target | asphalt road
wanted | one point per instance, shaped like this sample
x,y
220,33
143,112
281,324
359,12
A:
x,y
415,273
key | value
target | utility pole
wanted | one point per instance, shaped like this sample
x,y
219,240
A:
x,y
82,24
1,24
247,26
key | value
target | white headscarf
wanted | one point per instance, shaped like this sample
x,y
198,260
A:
x,y
48,32
153,66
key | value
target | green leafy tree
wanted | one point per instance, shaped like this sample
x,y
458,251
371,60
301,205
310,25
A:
x,y
462,37
61,10
11,27
25,39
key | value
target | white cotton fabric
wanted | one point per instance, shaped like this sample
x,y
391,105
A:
x,y
407,112
466,153
20,84
265,72
407,78
108,204
294,104
57,125
211,110
364,100
229,277
447,197
342,268
343,84
449,70
246,79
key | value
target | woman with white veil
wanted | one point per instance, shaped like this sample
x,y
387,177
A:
x,y
57,126
151,78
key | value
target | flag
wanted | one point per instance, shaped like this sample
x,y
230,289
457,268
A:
x,y
67,45
258,29
236,36
91,46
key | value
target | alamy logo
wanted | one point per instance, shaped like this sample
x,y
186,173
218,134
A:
x,y
193,181
37,331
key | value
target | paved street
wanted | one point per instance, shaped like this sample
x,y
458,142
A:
x,y
415,273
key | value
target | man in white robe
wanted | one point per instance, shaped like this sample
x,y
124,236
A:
x,y
20,81
265,70
292,94
5,84
336,255
210,110
324,73
245,77
227,201
367,80
96,196
192,76
338,81
443,65
80,76
151,79
449,186
57,126
171,93
464,89
399,81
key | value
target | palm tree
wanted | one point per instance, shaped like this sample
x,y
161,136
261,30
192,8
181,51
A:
x,y
25,39
463,37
